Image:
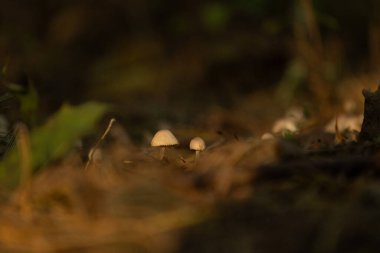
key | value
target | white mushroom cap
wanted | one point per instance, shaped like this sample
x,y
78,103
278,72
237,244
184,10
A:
x,y
267,136
284,124
163,138
197,143
346,122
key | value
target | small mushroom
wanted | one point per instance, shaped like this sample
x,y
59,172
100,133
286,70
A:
x,y
163,139
197,144
267,136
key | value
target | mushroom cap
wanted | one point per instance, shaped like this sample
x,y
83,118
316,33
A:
x,y
267,136
164,138
197,143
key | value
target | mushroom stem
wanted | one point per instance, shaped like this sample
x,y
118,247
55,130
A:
x,y
162,153
196,156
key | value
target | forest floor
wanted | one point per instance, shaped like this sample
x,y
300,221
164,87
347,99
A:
x,y
307,190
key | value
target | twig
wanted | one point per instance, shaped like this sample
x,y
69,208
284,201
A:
x,y
338,135
93,149
23,146
4,70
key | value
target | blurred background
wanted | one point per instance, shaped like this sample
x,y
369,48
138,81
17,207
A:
x,y
189,62
222,70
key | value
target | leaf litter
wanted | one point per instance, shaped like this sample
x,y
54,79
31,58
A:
x,y
302,190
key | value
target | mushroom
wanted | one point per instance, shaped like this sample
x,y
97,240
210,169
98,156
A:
x,y
267,136
163,139
197,144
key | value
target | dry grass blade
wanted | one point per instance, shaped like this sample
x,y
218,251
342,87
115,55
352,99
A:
x,y
338,135
93,149
23,146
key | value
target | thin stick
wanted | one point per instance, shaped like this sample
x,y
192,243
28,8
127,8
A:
x,y
23,146
338,136
92,150
4,70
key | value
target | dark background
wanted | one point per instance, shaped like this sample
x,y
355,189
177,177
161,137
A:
x,y
173,60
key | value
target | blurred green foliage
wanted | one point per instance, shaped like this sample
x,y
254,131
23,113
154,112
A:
x,y
53,139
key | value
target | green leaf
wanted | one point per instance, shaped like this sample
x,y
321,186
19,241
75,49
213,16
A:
x,y
54,139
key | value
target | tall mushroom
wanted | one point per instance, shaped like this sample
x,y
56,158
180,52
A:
x,y
197,144
163,139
